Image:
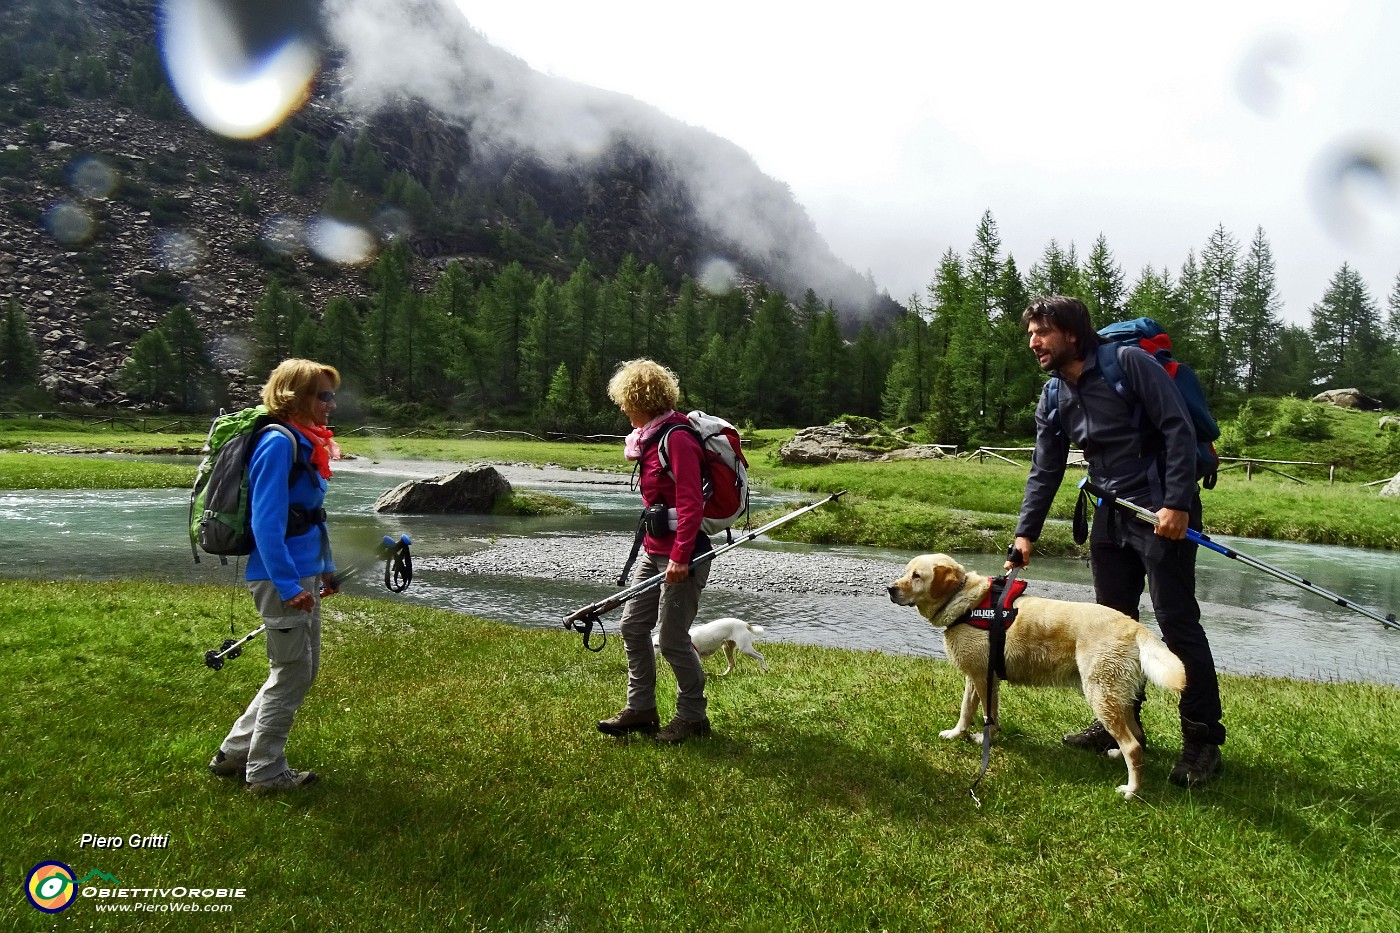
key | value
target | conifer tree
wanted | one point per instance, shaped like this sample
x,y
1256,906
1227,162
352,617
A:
x,y
546,336
557,410
393,290
1346,332
1219,289
826,378
340,340
275,319
1254,325
905,398
19,359
870,365
684,332
190,366
1103,282
147,375
1056,273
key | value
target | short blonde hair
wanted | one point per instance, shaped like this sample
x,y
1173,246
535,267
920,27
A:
x,y
293,385
645,387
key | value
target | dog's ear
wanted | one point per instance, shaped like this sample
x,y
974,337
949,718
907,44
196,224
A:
x,y
945,578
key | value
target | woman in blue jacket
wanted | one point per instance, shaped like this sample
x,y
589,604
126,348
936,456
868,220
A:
x,y
289,571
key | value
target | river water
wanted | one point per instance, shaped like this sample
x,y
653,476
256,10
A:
x,y
533,572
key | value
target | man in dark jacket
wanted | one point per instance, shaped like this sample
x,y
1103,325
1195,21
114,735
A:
x,y
1144,453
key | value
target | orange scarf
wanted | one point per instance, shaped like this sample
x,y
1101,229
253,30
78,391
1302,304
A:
x,y
323,448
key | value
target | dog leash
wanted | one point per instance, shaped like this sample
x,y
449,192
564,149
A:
x,y
996,664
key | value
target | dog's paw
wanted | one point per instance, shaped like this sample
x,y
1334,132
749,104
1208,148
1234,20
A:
x,y
1126,791
952,734
1116,753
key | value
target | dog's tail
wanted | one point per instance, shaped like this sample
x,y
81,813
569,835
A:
x,y
1159,664
755,629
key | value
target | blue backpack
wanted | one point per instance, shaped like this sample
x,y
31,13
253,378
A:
x,y
1148,334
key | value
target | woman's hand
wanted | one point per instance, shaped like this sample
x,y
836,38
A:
x,y
676,572
303,601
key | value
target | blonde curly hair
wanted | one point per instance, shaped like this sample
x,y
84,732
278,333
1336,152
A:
x,y
644,387
291,390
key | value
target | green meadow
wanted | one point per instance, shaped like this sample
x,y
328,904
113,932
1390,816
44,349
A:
x,y
464,786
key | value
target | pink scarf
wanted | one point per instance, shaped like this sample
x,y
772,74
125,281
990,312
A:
x,y
323,448
632,447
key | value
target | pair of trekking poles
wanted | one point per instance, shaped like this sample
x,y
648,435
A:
x,y
398,574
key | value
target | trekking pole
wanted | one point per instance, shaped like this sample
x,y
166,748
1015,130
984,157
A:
x,y
584,619
1100,497
395,554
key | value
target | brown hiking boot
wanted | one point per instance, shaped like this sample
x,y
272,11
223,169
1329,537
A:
x,y
287,780
629,721
1200,757
222,765
678,730
1094,739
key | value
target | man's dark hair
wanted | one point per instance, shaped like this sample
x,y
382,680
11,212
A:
x,y
1068,315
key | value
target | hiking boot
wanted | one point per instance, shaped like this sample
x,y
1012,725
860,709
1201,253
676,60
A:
x,y
678,730
287,780
222,765
629,721
1200,757
1093,739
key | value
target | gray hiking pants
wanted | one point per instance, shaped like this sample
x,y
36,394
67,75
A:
x,y
293,657
675,608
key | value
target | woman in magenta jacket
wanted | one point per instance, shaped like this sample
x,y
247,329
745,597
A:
x,y
648,394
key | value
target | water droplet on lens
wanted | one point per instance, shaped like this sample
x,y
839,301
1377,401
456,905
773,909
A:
x,y
91,177
1268,78
283,235
718,276
337,241
391,223
240,68
180,253
69,224
1356,191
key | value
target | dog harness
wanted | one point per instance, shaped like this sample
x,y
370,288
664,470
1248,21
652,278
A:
x,y
994,606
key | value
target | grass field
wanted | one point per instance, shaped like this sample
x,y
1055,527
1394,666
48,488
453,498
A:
x,y
465,787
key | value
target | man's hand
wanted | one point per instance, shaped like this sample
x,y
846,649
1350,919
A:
x,y
1025,546
676,572
1172,523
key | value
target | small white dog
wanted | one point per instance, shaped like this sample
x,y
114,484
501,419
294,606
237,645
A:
x,y
729,634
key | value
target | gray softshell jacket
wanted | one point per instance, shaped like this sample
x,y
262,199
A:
x,y
1151,463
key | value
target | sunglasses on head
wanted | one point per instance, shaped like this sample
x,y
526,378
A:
x,y
326,397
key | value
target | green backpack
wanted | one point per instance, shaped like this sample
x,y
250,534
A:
x,y
220,522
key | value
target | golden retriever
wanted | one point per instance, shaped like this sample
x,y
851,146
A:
x,y
1051,643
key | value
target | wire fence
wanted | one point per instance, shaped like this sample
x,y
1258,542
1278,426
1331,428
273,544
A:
x,y
165,424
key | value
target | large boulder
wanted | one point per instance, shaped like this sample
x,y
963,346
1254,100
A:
x,y
1392,488
1348,398
474,491
825,443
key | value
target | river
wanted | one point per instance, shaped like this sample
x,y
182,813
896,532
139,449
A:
x,y
533,572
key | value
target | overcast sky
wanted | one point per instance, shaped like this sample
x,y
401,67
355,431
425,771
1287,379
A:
x,y
897,125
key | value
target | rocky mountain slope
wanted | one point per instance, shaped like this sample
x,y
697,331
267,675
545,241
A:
x,y
118,205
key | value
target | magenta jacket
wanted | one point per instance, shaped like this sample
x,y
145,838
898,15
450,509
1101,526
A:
x,y
679,490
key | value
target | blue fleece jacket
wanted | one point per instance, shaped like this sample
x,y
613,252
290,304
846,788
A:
x,y
276,557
